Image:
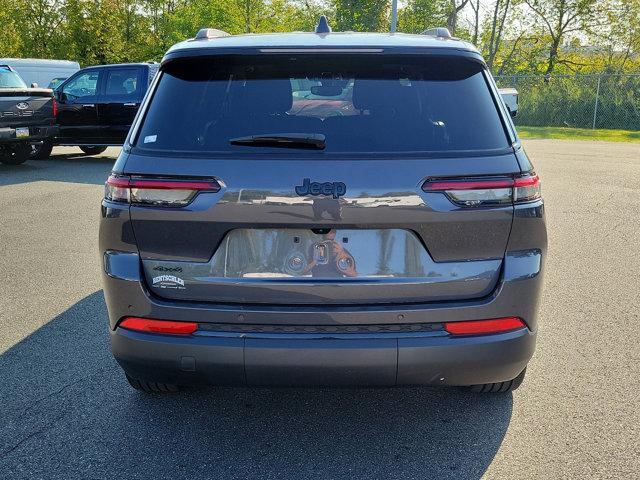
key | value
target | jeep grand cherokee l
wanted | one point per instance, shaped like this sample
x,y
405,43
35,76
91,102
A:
x,y
393,237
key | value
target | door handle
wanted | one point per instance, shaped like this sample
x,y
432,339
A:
x,y
130,104
88,105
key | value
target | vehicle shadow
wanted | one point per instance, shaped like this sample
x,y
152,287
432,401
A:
x,y
70,168
69,413
107,155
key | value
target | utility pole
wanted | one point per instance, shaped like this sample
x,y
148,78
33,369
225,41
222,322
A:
x,y
595,108
394,16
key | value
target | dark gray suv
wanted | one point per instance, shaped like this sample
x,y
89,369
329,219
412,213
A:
x,y
323,209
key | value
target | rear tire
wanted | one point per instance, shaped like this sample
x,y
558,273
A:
x,y
15,155
500,387
42,151
92,150
152,387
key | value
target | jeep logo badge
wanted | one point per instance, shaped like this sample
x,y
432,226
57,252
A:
x,y
335,189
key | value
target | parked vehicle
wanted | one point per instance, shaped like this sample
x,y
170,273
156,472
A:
x,y
40,71
26,116
96,106
249,241
510,98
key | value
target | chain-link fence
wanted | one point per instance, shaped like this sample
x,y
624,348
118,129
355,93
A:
x,y
609,101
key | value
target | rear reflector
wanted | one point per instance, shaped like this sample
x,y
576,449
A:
x,y
160,192
158,326
484,327
472,192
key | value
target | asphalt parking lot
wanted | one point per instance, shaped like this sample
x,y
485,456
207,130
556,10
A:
x,y
67,411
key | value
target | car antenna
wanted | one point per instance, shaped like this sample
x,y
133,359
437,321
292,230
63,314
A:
x,y
323,26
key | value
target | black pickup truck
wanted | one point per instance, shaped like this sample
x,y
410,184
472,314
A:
x,y
26,117
96,106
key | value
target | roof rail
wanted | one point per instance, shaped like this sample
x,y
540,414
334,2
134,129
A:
x,y
208,33
323,25
438,32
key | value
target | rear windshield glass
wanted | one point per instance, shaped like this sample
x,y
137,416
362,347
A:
x,y
355,104
9,79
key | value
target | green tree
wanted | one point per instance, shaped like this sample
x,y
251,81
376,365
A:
x,y
288,15
453,10
10,39
251,12
545,36
95,31
135,27
561,18
361,15
621,39
39,25
184,21
496,30
418,15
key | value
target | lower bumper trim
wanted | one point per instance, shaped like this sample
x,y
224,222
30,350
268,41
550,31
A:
x,y
297,360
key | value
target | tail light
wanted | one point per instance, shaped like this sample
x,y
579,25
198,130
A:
x,y
160,192
150,325
526,189
55,107
472,192
485,327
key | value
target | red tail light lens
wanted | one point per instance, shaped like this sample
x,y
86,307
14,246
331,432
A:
x,y
485,327
158,326
468,184
117,189
160,192
472,192
527,189
55,107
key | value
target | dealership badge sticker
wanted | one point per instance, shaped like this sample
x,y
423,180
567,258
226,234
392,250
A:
x,y
168,281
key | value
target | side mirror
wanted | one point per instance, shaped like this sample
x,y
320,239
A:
x,y
34,85
510,99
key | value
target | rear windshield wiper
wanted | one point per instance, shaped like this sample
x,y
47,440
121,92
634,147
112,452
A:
x,y
315,141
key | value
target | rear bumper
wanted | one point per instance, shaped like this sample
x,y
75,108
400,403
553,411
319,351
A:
x,y
224,351
36,134
312,360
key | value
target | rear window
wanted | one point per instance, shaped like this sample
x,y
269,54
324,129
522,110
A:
x,y
122,82
359,103
10,79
